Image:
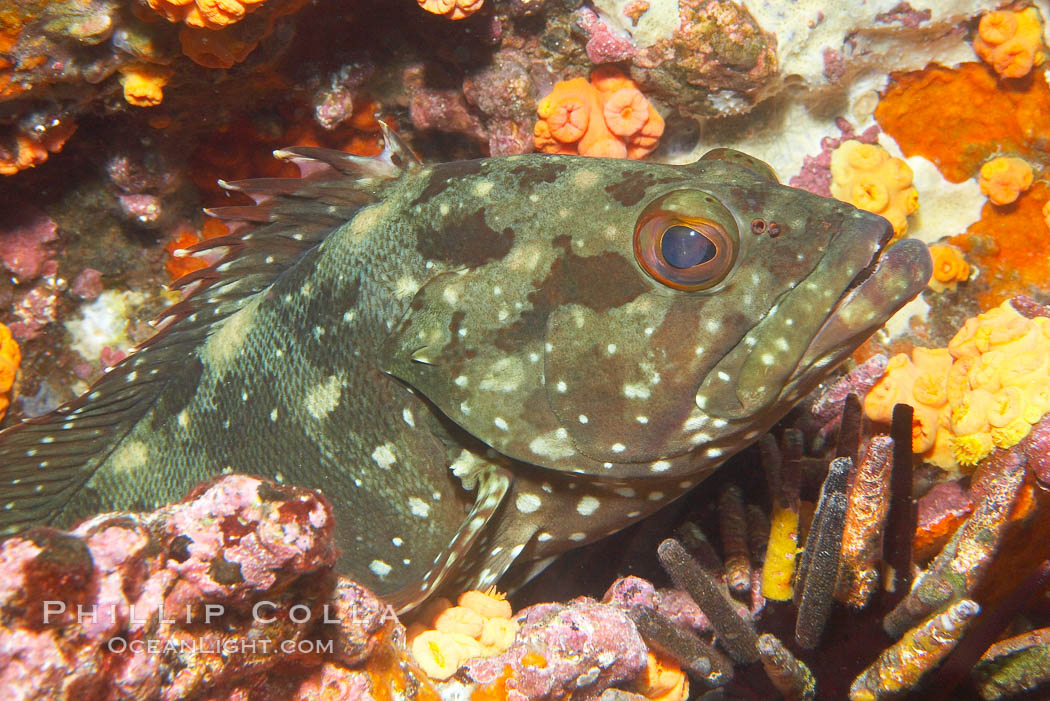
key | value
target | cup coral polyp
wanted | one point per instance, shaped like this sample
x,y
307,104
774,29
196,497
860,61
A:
x,y
10,357
144,85
1011,42
985,390
949,268
453,9
607,117
866,176
1004,178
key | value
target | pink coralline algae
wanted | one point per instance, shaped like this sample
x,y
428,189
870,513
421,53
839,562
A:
x,y
571,651
87,285
674,604
815,175
603,46
905,15
26,243
39,306
206,598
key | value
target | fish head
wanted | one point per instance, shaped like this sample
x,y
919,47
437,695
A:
x,y
641,318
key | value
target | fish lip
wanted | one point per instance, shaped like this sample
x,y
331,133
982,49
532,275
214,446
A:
x,y
894,275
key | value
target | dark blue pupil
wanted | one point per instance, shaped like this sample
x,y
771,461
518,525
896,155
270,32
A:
x,y
684,247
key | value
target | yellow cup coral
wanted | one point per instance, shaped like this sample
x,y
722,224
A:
x,y
608,117
985,390
453,9
949,268
1004,178
480,626
1012,42
10,357
866,176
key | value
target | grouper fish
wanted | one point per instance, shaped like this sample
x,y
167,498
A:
x,y
480,363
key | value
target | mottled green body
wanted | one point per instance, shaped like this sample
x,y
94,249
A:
x,y
474,369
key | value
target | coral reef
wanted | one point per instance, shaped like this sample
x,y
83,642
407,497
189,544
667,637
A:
x,y
607,117
866,176
1011,41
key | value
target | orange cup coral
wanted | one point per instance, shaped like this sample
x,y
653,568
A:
x,y
10,357
949,268
1011,42
31,150
866,176
453,9
1004,178
662,680
480,626
212,14
607,117
985,390
144,84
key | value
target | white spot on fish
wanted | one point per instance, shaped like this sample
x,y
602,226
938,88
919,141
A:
x,y
483,188
528,503
505,375
655,496
501,423
397,542
273,414
552,445
723,376
660,466
561,386
611,348
544,536
461,381
406,414
587,506
379,568
384,456
322,398
636,390
642,419
715,452
578,537
618,447
418,507
626,492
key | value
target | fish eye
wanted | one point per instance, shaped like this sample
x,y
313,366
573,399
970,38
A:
x,y
686,240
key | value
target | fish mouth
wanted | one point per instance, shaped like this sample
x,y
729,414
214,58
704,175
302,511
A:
x,y
893,277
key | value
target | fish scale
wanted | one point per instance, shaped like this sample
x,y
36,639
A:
x,y
479,363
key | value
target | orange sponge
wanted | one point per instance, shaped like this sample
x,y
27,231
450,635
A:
x,y
607,117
